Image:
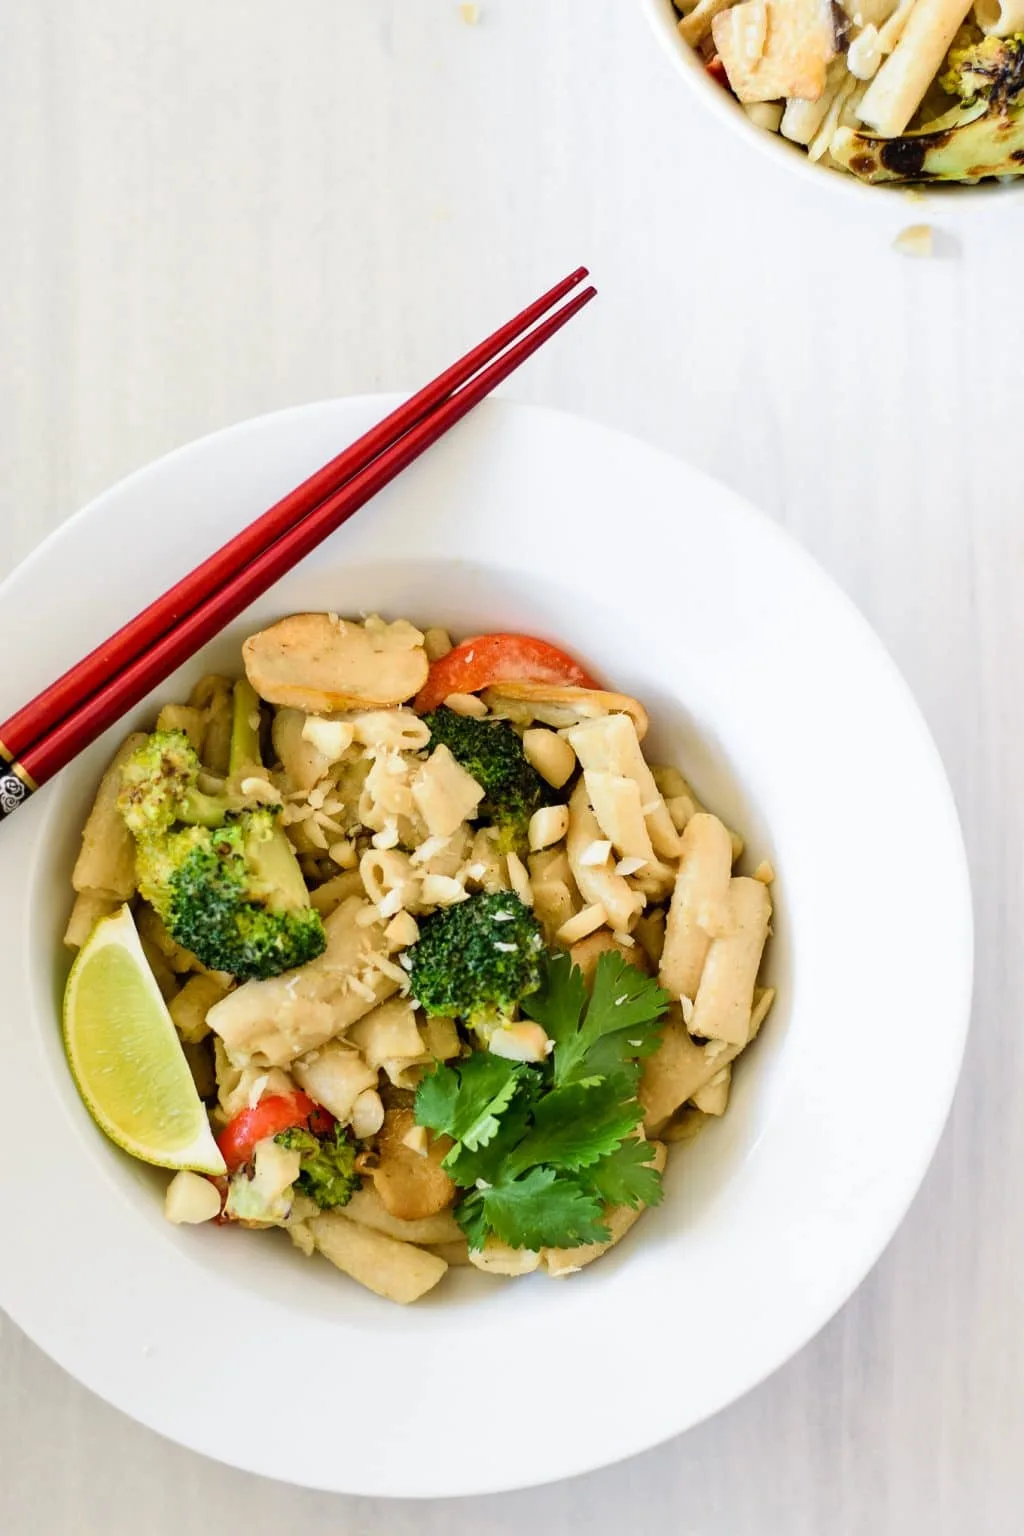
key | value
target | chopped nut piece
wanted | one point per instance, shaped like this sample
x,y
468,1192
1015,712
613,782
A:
x,y
916,240
547,826
583,923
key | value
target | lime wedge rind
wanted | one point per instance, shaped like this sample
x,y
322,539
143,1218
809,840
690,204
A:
x,y
125,1056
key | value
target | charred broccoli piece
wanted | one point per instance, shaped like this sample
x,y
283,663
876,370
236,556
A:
x,y
982,136
160,786
234,895
992,69
327,1172
492,752
224,878
476,961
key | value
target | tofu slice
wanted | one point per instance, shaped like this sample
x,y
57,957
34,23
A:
x,y
776,49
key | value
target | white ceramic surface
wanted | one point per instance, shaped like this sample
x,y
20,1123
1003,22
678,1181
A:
x,y
775,696
927,199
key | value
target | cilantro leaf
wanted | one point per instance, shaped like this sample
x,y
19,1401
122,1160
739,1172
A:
x,y
540,1210
542,1149
626,1176
560,1002
622,1023
465,1166
472,1218
464,1101
575,1126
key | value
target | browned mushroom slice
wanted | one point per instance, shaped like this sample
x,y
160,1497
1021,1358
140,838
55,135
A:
x,y
319,663
587,952
524,702
411,1183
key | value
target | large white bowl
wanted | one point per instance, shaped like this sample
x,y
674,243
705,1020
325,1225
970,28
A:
x,y
927,197
770,689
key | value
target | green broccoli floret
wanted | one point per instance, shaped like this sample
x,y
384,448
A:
x,y
224,879
327,1172
492,751
477,960
159,786
233,895
992,68
982,136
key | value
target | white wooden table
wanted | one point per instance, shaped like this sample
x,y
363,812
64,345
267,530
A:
x,y
218,207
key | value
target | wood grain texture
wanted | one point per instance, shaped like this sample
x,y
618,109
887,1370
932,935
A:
x,y
220,207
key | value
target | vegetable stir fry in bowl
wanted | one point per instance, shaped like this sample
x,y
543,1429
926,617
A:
x,y
888,91
407,949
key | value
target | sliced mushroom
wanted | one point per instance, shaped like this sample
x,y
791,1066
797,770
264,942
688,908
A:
x,y
412,1185
319,663
560,707
587,952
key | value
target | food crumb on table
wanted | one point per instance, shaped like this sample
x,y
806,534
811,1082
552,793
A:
x,y
915,240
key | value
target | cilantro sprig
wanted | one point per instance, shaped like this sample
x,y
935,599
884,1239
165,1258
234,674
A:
x,y
543,1150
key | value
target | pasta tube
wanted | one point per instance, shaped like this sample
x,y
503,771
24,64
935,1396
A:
x,y
598,884
368,1209
680,1067
617,806
85,914
722,1007
612,746
898,89
700,904
802,119
999,18
106,864
695,27
713,1098
397,1271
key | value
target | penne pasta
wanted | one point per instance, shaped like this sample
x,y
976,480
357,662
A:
x,y
699,908
713,1098
367,1208
802,119
696,26
598,885
999,18
681,1067
724,1001
617,804
611,745
899,87
106,864
395,1270
85,914
190,1007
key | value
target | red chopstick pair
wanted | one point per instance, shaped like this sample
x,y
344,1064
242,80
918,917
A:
x,y
39,739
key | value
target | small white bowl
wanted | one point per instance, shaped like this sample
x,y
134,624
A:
x,y
773,694
920,200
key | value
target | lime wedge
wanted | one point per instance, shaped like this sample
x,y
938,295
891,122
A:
x,y
125,1055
